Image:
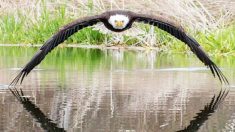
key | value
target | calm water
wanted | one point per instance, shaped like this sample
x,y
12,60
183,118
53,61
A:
x,y
92,90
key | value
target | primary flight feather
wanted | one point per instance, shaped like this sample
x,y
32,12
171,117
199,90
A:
x,y
118,21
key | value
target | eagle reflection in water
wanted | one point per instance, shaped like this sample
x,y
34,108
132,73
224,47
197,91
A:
x,y
48,125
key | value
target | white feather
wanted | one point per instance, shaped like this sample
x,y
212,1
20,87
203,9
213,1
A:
x,y
118,17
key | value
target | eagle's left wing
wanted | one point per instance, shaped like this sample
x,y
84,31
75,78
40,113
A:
x,y
180,34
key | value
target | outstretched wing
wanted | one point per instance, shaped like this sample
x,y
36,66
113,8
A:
x,y
55,40
180,34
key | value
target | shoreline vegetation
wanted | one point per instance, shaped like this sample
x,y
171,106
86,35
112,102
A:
x,y
112,47
32,22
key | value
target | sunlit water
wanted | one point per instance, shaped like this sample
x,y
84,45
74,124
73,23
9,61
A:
x,y
92,90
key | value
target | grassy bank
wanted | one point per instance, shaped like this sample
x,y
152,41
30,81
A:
x,y
23,26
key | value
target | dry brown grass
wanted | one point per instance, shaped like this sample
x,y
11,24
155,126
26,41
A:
x,y
197,14
194,15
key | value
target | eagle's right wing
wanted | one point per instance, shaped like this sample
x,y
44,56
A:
x,y
54,41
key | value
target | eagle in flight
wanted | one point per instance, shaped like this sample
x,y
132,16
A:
x,y
119,21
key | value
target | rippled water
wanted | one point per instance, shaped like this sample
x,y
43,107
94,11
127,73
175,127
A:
x,y
92,90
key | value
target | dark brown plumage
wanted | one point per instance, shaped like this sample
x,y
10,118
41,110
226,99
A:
x,y
71,28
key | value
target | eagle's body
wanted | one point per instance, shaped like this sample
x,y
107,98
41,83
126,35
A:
x,y
119,21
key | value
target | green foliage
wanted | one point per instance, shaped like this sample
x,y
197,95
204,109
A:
x,y
18,29
221,41
21,29
218,42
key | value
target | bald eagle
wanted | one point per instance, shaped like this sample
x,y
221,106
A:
x,y
118,21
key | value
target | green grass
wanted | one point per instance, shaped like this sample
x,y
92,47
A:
x,y
15,29
218,42
21,30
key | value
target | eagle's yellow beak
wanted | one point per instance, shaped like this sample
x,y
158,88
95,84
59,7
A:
x,y
119,23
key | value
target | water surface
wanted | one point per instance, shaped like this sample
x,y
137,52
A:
x,y
93,90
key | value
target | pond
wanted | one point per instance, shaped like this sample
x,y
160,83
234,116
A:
x,y
94,90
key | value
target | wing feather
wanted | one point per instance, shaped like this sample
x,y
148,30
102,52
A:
x,y
179,33
54,41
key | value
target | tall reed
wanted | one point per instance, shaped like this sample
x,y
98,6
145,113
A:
x,y
34,21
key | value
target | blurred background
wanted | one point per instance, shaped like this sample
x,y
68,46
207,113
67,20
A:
x,y
211,22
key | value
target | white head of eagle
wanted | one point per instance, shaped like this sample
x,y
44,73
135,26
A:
x,y
119,21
